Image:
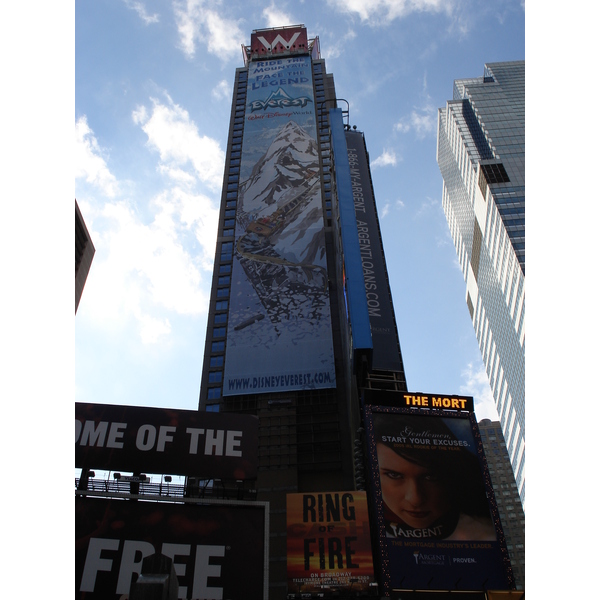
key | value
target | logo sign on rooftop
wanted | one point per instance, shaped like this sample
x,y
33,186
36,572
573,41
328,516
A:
x,y
279,41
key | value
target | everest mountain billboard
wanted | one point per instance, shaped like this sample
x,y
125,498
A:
x,y
279,336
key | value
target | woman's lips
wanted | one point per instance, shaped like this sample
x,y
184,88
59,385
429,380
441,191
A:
x,y
417,514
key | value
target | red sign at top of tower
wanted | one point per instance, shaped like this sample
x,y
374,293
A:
x,y
279,41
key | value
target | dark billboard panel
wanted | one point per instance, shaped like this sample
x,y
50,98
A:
x,y
219,552
386,349
328,542
438,524
279,335
162,440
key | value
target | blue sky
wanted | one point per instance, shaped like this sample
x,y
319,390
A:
x,y
153,84
46,75
51,358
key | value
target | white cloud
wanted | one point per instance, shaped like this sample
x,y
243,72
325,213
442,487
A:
x,y
477,385
180,176
385,211
146,271
387,158
199,22
402,126
381,12
140,9
335,45
176,137
276,17
422,121
427,206
221,90
151,329
89,162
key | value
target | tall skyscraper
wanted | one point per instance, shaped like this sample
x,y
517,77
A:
x,y
300,312
481,155
507,496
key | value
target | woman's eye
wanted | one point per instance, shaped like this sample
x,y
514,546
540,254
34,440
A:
x,y
393,475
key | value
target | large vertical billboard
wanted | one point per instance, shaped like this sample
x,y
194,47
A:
x,y
218,551
437,522
386,352
279,334
328,542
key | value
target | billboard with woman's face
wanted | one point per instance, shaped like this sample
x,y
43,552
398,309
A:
x,y
436,515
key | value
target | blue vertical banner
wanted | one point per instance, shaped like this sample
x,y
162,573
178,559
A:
x,y
279,332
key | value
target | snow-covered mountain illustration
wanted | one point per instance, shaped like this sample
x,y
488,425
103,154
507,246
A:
x,y
280,241
281,200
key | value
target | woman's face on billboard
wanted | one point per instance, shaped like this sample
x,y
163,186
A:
x,y
413,492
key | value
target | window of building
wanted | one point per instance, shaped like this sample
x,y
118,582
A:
x,y
220,318
215,377
228,232
219,332
212,408
226,280
222,305
216,361
217,347
229,223
214,393
222,292
225,269
229,213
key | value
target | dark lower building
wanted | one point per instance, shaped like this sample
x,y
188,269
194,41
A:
x,y
300,313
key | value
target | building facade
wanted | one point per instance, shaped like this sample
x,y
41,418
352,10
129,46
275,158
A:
x,y
481,155
507,496
84,253
300,314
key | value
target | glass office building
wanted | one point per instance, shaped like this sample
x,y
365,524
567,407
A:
x,y
506,493
481,155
